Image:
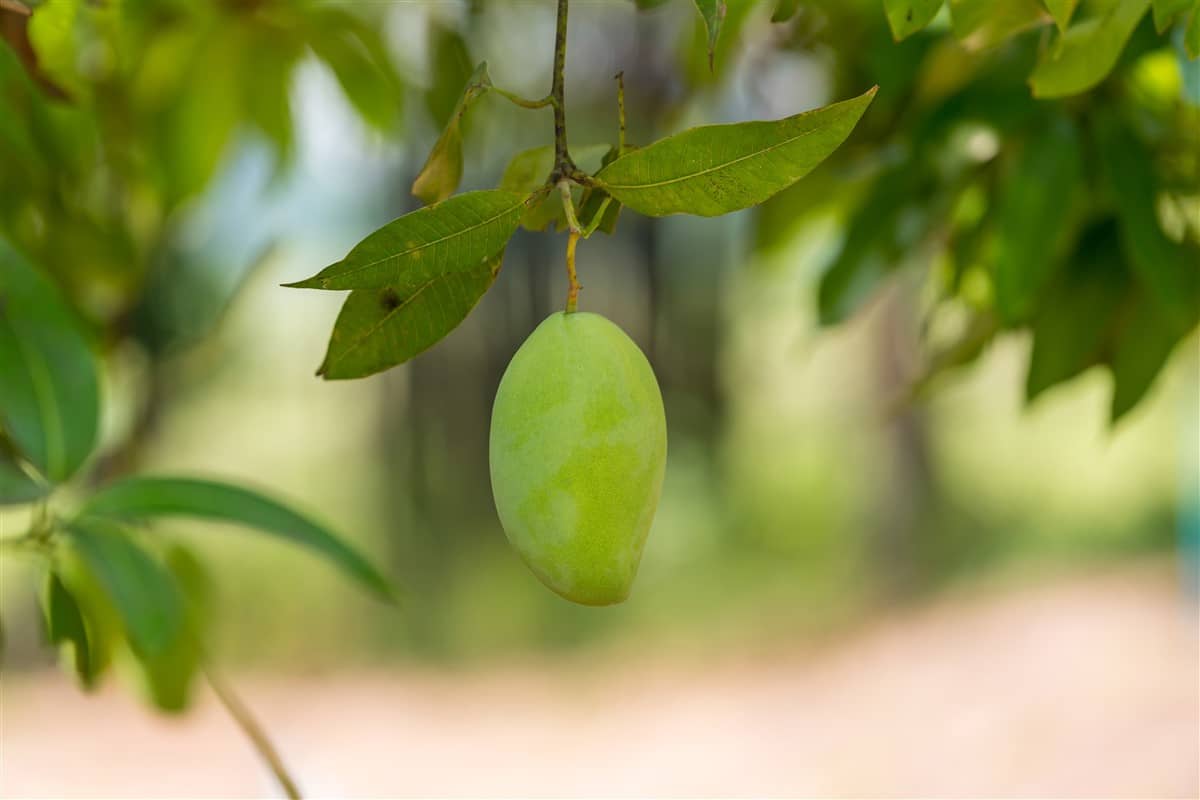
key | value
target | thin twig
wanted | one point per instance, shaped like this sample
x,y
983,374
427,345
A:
x,y
521,101
563,165
620,76
254,732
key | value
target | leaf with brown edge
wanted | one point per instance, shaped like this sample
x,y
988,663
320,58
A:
x,y
439,177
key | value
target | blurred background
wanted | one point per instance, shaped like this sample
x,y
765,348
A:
x,y
851,587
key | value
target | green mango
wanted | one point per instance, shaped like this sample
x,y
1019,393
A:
x,y
578,450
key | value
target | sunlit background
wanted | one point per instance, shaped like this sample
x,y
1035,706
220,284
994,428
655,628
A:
x,y
844,592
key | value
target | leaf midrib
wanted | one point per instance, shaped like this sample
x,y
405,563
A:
x,y
693,175
425,245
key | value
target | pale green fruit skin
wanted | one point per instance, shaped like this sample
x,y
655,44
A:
x,y
578,451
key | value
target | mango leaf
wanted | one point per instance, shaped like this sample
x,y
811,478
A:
x,y
906,17
380,328
140,588
49,395
142,498
424,245
1087,51
1167,269
359,60
717,169
16,485
713,14
440,176
527,172
1139,354
169,676
65,628
785,10
1191,36
1061,11
450,70
1034,208
980,24
1072,328
870,238
1166,12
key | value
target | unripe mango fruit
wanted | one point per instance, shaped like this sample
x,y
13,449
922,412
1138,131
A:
x,y
578,450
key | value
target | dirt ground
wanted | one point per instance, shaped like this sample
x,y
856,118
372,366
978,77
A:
x,y
1077,687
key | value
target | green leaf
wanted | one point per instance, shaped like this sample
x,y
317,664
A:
x,y
1074,323
527,172
49,395
408,253
713,14
1061,11
169,676
147,498
1141,350
440,176
717,169
65,627
380,328
985,23
1034,207
867,254
1166,11
362,71
17,487
140,588
1191,36
906,17
785,10
1087,51
1167,269
450,69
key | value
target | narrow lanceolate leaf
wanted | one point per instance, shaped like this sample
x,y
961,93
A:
x,y
16,485
1166,12
1145,343
139,587
440,176
1062,10
147,498
1167,269
980,24
410,252
1087,51
717,169
1035,204
65,627
380,328
49,397
1074,324
906,17
713,13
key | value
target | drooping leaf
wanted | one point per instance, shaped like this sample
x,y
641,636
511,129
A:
x,y
141,589
49,396
1074,323
1034,206
985,23
785,10
142,498
527,172
906,17
713,14
1087,51
1142,348
1061,11
870,237
440,176
717,169
16,485
424,245
450,69
380,328
169,676
1168,270
65,627
1191,35
359,60
1167,11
